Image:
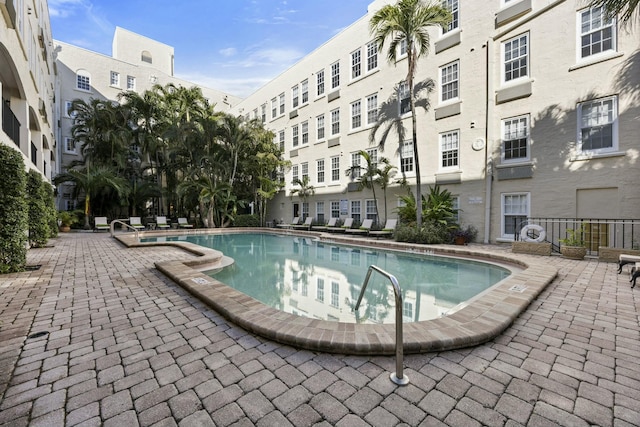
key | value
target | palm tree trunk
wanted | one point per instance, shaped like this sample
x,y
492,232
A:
x,y
416,160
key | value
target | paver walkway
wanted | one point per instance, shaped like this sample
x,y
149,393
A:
x,y
128,347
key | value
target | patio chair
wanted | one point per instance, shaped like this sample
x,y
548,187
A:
x,y
101,224
294,221
182,223
348,223
363,229
388,229
306,225
161,222
331,223
135,222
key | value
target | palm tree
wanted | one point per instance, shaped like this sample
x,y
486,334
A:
x,y
623,8
367,176
385,175
305,191
409,21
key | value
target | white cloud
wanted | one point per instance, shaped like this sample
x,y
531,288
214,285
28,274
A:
x,y
229,51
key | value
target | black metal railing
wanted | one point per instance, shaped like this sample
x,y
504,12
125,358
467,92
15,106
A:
x,y
10,123
613,233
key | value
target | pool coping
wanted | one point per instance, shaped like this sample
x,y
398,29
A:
x,y
484,318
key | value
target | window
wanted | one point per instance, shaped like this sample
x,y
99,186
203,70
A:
x,y
320,171
515,55
515,139
335,168
255,113
403,47
372,56
320,212
407,311
146,57
403,97
295,96
455,204
335,121
263,113
274,108
449,150
371,211
304,170
452,5
305,91
131,83
335,75
281,140
356,64
69,145
305,132
356,114
282,103
356,159
515,210
373,156
83,80
449,81
335,294
355,210
68,110
320,126
598,125
335,209
115,79
596,32
305,210
372,108
320,290
295,176
406,157
320,82
294,134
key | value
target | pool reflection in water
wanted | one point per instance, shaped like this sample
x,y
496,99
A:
x,y
314,279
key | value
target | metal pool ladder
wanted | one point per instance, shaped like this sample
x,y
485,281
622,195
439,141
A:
x,y
396,377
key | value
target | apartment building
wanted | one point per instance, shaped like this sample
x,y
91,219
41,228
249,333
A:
x,y
137,63
534,114
27,79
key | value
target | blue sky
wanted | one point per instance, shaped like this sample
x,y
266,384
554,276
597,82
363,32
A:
x,y
231,45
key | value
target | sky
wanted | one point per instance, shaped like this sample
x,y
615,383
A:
x,y
235,46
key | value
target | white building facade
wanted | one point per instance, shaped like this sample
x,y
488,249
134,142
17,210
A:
x,y
534,114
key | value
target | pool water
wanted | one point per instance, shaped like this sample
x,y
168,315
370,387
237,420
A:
x,y
323,280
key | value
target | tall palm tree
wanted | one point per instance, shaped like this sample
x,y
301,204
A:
x,y
622,8
385,174
409,21
367,176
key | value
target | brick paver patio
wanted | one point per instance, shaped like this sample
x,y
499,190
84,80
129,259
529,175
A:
x,y
127,347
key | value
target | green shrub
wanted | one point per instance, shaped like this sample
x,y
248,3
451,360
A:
x,y
38,215
429,234
13,211
247,221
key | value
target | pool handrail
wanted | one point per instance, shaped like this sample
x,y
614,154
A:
x,y
119,221
396,377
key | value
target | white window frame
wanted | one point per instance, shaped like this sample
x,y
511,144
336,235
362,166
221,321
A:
x,y
68,105
114,79
453,7
598,24
304,88
526,196
356,114
304,170
356,162
450,82
320,131
295,135
70,146
274,108
372,109
506,51
334,209
281,139
335,122
407,153
335,168
304,131
356,64
131,83
281,103
263,113
450,147
295,96
373,156
320,88
83,81
355,210
320,174
320,212
370,210
295,174
601,121
404,96
372,56
514,129
335,75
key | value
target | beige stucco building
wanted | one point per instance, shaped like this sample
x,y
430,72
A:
x,y
137,63
27,84
535,113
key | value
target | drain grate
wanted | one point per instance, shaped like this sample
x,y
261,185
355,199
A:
x,y
38,334
518,288
33,267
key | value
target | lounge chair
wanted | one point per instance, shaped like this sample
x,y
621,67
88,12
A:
x,y
363,229
348,223
135,222
294,221
388,229
331,223
161,222
101,224
306,225
182,223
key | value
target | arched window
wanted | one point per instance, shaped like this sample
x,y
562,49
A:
x,y
83,80
146,57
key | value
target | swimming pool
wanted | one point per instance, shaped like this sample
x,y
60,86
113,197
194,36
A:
x,y
322,280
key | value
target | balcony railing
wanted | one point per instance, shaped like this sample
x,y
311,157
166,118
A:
x,y
613,233
10,123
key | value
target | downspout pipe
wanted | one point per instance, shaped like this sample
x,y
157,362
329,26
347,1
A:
x,y
487,158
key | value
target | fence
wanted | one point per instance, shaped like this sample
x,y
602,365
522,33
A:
x,y
614,233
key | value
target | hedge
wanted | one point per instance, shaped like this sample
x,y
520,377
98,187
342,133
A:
x,y
13,211
39,231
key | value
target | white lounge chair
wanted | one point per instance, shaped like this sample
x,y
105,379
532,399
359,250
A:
x,y
388,229
182,223
161,222
348,223
101,223
136,223
363,229
331,223
294,221
306,225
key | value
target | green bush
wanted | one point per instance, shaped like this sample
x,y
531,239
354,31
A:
x,y
429,234
13,211
247,221
38,216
